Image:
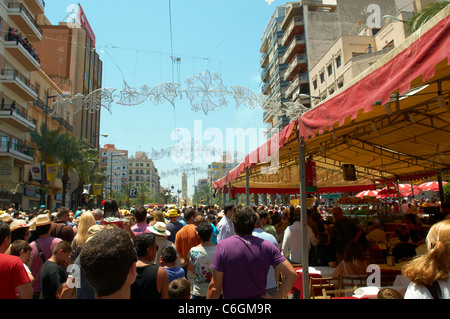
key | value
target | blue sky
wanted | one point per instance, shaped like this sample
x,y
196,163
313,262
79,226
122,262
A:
x,y
135,45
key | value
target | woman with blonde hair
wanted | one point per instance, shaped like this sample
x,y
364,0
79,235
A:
x,y
158,217
86,221
429,273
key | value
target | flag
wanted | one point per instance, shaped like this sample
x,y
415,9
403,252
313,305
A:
x,y
51,172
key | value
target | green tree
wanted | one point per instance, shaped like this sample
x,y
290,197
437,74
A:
x,y
447,191
52,141
87,168
422,17
68,159
144,192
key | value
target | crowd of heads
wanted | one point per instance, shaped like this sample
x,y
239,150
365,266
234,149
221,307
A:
x,y
108,244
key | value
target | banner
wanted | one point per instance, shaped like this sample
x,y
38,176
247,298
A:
x,y
35,171
97,189
51,172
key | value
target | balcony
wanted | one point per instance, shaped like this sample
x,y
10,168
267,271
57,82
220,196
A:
x,y
298,63
16,117
16,150
297,45
19,84
25,21
295,27
37,6
22,51
301,78
264,60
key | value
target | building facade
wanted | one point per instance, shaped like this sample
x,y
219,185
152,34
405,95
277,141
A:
x,y
70,59
115,164
25,93
305,34
141,169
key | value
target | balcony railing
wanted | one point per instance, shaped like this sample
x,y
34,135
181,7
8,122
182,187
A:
x,y
11,108
299,58
295,22
16,75
12,36
16,146
24,10
298,39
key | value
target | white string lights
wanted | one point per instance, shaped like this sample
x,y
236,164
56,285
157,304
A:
x,y
205,92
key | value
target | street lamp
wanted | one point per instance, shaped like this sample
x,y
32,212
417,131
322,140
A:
x,y
110,170
387,18
308,96
44,146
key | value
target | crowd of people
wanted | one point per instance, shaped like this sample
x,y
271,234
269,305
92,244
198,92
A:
x,y
195,252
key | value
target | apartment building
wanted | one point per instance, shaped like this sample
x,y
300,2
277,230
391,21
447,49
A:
x,y
69,57
141,169
115,163
25,91
305,34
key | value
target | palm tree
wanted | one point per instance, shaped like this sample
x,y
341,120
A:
x,y
68,159
87,167
52,141
143,191
418,20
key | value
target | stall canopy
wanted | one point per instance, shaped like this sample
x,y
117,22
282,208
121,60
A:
x,y
391,123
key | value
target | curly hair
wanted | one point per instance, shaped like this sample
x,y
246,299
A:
x,y
434,265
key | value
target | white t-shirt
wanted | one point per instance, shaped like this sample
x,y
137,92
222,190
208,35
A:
x,y
226,228
419,292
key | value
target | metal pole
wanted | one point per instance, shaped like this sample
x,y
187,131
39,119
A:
x,y
441,188
247,193
110,178
303,212
399,199
44,153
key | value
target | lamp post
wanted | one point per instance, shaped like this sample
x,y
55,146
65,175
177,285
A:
x,y
44,146
388,17
110,170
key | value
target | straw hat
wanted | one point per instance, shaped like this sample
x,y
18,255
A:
x,y
6,218
159,229
18,223
42,220
172,213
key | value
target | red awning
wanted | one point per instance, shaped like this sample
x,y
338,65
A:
x,y
417,59
259,155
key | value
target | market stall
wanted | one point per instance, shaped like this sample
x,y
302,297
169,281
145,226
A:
x,y
390,124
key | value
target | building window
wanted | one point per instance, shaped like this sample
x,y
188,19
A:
x,y
315,84
330,70
338,61
322,77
